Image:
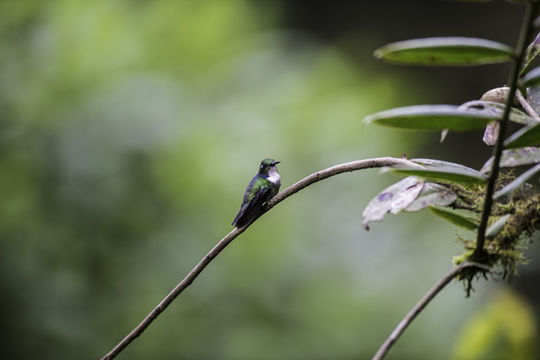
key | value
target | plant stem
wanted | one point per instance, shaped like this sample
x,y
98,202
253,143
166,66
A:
x,y
526,106
192,275
411,315
497,152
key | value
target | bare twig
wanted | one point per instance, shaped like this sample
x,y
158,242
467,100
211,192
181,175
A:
x,y
394,336
526,106
182,285
497,152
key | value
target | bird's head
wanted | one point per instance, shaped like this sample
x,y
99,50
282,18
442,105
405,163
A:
x,y
266,165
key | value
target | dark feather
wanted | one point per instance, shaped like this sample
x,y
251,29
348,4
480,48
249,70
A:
x,y
251,208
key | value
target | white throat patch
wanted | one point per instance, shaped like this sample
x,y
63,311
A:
x,y
273,176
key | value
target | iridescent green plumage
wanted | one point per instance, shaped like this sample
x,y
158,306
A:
x,y
261,188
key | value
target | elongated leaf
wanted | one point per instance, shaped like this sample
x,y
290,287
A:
x,y
532,77
432,194
514,185
439,51
431,117
527,136
455,217
445,171
434,163
532,52
393,199
448,176
497,109
495,228
515,157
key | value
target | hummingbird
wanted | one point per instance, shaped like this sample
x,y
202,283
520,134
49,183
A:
x,y
264,186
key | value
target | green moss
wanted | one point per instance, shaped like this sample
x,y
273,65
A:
x,y
504,251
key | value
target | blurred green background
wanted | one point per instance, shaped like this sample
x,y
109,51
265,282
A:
x,y
129,130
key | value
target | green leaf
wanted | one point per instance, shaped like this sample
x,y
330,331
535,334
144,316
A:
x,y
532,52
496,110
527,136
455,217
514,157
531,78
432,194
439,51
393,199
441,175
438,170
514,185
495,228
434,163
431,117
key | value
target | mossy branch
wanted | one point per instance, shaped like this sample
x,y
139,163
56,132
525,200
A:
x,y
192,275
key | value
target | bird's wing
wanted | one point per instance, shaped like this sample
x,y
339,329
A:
x,y
251,207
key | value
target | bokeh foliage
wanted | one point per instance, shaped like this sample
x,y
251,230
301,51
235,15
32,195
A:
x,y
504,329
128,131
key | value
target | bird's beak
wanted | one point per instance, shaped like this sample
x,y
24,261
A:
x,y
275,163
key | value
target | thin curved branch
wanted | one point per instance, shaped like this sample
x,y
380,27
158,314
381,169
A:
x,y
411,315
338,169
182,285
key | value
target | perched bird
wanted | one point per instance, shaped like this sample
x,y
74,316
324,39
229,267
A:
x,y
264,186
